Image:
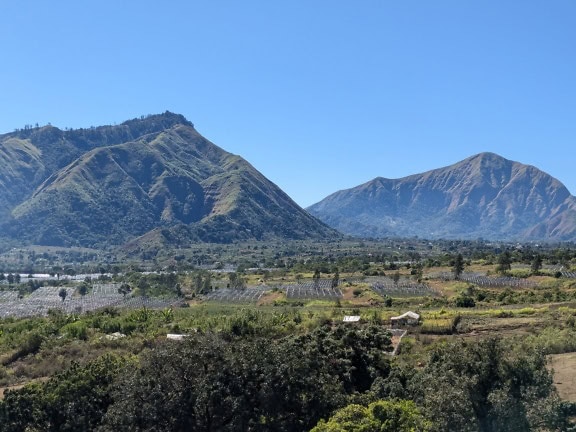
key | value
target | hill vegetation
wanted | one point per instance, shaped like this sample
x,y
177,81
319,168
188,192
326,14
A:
x,y
484,196
477,361
154,176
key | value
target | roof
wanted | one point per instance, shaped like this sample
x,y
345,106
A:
x,y
351,318
409,314
175,336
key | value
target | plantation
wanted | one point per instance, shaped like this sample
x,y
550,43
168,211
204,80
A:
x,y
266,348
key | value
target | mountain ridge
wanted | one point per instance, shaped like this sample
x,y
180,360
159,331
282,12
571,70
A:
x,y
119,182
482,196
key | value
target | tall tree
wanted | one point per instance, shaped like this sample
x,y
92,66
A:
x,y
316,277
458,266
336,279
504,262
63,293
536,264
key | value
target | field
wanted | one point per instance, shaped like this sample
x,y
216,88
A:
x,y
54,326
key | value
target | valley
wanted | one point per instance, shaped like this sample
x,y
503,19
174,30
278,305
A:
x,y
238,296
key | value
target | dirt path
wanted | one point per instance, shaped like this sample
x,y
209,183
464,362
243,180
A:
x,y
14,387
19,386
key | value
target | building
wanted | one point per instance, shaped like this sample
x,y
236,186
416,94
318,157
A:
x,y
406,319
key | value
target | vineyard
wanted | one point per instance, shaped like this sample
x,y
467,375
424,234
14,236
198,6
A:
x,y
491,282
402,288
40,301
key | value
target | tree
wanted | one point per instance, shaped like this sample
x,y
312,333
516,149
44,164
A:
x,y
83,289
458,266
63,293
73,400
236,281
379,416
504,262
316,277
336,279
485,386
396,277
124,289
536,264
207,283
197,282
206,383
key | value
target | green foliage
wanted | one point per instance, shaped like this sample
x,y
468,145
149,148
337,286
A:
x,y
76,330
483,387
465,301
379,416
356,354
504,262
207,383
73,400
458,266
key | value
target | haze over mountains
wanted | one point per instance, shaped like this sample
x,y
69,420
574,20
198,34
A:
x,y
154,177
484,196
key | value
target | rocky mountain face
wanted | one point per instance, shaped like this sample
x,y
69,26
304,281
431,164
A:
x,y
484,196
148,177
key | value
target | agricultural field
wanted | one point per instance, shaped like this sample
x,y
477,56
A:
x,y
53,328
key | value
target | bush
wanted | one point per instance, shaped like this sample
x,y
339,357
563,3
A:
x,y
465,301
76,330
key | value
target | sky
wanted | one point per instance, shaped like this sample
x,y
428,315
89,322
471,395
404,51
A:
x,y
317,95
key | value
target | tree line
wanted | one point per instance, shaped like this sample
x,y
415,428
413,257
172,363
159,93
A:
x,y
333,378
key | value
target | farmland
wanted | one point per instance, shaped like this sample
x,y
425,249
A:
x,y
56,326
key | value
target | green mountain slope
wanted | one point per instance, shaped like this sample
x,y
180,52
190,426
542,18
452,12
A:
x,y
112,184
483,196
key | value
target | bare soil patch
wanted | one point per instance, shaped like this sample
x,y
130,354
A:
x,y
270,297
564,366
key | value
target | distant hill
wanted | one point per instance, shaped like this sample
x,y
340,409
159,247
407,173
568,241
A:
x,y
148,177
484,196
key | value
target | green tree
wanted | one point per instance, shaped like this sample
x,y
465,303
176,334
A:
x,y
484,386
206,383
536,264
316,276
83,289
63,293
124,289
73,400
458,266
379,416
207,283
236,281
504,262
336,279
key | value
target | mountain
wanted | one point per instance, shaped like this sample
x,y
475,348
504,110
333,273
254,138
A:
x,y
151,176
484,196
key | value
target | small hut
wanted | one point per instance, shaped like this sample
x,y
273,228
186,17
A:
x,y
406,319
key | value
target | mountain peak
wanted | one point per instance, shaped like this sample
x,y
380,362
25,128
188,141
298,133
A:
x,y
165,120
153,174
484,196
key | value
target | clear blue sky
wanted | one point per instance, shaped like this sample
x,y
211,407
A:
x,y
318,95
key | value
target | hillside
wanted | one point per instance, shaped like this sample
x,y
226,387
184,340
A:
x,y
484,196
112,184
